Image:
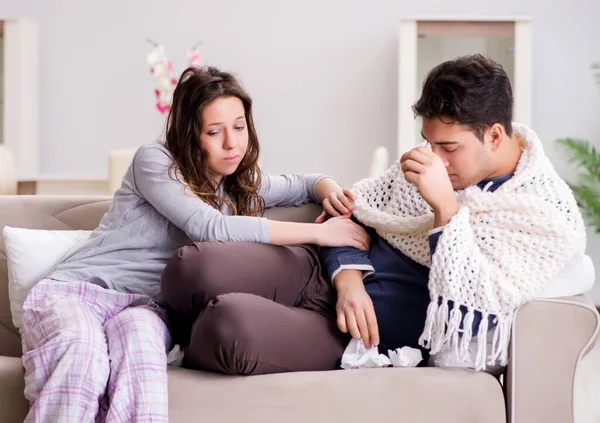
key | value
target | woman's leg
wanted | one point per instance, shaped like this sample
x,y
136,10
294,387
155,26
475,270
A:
x,y
200,272
138,339
65,354
244,334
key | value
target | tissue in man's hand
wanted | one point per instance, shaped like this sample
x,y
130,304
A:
x,y
405,357
356,356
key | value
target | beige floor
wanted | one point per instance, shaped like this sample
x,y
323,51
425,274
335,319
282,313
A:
x,y
587,389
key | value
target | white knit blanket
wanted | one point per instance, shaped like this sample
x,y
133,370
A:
x,y
498,252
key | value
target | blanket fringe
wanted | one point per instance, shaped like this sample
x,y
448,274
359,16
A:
x,y
467,334
452,333
441,319
425,339
443,330
482,342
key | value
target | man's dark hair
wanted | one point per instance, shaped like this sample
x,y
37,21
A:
x,y
471,90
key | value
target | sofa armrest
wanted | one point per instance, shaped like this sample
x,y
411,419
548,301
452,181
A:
x,y
549,339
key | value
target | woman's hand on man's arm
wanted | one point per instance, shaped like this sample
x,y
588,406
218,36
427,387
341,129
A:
x,y
336,201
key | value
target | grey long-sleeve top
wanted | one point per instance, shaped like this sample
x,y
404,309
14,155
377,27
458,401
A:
x,y
152,215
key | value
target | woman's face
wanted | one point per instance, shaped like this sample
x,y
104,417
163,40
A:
x,y
224,135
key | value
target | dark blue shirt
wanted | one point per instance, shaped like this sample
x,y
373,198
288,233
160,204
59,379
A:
x,y
397,285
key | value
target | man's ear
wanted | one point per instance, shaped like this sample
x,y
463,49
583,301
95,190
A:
x,y
495,135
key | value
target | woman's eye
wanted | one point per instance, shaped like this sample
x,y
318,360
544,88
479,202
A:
x,y
450,151
240,128
213,133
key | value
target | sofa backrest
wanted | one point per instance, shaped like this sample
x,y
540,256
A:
x,y
72,212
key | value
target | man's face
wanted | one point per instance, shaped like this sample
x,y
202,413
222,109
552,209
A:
x,y
468,160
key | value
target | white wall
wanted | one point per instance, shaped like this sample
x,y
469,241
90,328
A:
x,y
322,73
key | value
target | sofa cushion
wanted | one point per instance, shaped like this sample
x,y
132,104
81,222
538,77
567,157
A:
x,y
394,395
391,394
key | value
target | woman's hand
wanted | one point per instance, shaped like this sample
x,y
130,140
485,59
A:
x,y
342,232
336,204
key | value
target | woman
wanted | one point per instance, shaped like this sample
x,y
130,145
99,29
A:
x,y
242,308
95,337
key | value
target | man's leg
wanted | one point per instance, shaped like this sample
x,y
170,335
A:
x,y
244,334
138,339
199,272
401,310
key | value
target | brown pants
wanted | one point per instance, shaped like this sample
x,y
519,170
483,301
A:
x,y
247,308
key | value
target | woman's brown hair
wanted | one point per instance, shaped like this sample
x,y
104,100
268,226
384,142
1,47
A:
x,y
196,89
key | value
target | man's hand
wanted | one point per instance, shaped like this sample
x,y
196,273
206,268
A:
x,y
426,171
355,312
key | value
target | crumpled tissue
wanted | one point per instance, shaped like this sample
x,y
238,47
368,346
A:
x,y
175,357
357,356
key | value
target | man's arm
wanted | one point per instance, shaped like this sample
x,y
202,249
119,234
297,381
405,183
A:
x,y
346,267
336,259
434,237
355,311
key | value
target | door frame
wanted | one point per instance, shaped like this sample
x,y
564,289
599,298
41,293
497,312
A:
x,y
409,29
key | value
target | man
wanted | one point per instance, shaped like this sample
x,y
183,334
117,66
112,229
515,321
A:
x,y
464,229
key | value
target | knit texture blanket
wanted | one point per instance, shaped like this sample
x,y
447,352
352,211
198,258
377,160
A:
x,y
498,252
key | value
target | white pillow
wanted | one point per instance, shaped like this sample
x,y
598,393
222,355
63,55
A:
x,y
578,277
31,254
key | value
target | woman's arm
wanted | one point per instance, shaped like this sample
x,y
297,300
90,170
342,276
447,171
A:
x,y
295,189
336,232
325,187
150,179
